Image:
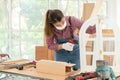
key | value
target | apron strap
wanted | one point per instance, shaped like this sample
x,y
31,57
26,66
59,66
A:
x,y
55,36
71,31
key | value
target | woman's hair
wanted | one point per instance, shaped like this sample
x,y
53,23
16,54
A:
x,y
52,16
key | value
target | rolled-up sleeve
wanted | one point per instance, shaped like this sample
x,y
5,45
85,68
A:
x,y
78,24
51,44
91,29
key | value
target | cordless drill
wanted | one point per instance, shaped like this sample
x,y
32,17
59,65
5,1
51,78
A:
x,y
72,40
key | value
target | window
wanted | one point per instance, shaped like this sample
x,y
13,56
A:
x,y
118,13
4,26
22,23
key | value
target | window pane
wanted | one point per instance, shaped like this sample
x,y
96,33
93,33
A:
x,y
68,8
15,49
3,26
32,14
22,23
53,4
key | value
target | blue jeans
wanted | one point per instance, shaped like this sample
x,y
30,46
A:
x,y
70,57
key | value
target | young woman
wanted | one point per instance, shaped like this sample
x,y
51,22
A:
x,y
62,36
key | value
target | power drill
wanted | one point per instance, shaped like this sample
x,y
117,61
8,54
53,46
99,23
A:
x,y
105,72
72,40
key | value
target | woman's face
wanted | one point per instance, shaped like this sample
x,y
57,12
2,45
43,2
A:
x,y
60,23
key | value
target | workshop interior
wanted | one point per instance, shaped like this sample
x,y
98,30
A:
x,y
59,40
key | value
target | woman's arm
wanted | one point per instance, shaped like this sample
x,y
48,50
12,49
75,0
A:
x,y
51,44
77,23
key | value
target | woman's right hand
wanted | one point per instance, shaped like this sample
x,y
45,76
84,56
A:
x,y
68,46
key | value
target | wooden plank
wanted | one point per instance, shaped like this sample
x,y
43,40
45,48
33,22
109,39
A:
x,y
107,32
109,59
87,10
59,63
42,52
47,66
50,54
89,46
50,69
15,61
89,59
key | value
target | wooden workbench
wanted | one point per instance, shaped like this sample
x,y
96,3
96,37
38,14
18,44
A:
x,y
31,72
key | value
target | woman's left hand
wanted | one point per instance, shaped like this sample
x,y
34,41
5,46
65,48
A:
x,y
76,33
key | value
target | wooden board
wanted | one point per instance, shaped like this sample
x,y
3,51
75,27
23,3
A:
x,y
89,46
87,10
42,52
15,61
107,33
47,66
109,59
89,59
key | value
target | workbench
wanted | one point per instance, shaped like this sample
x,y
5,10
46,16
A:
x,y
31,72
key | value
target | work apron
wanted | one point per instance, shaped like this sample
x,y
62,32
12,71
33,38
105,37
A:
x,y
68,56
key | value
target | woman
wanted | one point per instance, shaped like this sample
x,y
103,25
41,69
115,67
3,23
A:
x,y
62,36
